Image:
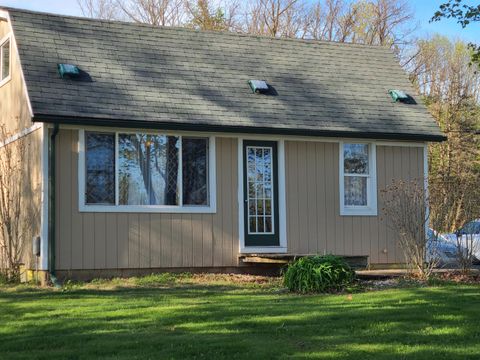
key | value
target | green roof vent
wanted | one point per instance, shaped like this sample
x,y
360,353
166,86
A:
x,y
399,95
259,86
68,70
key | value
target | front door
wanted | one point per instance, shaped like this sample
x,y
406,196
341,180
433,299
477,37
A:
x,y
260,193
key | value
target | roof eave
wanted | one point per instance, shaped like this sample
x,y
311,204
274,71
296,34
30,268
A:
x,y
122,123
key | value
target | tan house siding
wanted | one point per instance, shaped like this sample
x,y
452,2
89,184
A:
x,y
314,224
132,240
14,108
15,116
94,241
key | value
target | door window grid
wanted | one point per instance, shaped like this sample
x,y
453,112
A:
x,y
260,190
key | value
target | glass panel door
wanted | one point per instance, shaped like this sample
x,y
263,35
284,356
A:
x,y
261,200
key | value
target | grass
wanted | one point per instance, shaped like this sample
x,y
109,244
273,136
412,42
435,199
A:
x,y
215,317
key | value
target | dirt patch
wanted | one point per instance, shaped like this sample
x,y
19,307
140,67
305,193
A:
x,y
233,278
459,277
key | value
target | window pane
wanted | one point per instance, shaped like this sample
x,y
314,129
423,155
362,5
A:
x,y
100,168
252,228
5,59
355,191
148,169
355,158
195,171
259,183
268,224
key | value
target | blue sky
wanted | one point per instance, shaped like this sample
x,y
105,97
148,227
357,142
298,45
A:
x,y
423,9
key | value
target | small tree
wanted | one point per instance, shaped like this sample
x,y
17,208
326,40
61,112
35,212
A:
x,y
13,231
406,209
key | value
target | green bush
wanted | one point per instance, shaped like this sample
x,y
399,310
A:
x,y
327,273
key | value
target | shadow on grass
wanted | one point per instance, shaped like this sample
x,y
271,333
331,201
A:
x,y
218,321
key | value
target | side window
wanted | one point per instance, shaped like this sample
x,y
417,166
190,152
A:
x,y
99,168
5,60
357,179
356,173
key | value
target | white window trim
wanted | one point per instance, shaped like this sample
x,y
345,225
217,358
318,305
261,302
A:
x,y
2,42
371,208
282,207
185,209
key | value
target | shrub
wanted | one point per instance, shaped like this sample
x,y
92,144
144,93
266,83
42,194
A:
x,y
327,273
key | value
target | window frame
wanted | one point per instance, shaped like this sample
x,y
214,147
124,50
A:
x,y
359,210
188,209
2,43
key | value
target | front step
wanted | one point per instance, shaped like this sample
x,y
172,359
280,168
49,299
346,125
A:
x,y
356,262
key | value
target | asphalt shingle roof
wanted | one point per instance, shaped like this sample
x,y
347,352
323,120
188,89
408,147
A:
x,y
175,77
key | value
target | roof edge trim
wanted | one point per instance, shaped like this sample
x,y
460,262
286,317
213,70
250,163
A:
x,y
107,122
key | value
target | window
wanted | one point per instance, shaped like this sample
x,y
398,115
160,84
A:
x,y
260,189
5,60
358,188
148,169
145,172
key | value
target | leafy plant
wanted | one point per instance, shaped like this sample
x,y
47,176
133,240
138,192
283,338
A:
x,y
327,273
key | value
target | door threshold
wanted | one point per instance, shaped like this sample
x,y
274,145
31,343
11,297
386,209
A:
x,y
264,250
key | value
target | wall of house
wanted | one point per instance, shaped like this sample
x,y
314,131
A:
x,y
102,241
14,110
15,117
129,240
314,224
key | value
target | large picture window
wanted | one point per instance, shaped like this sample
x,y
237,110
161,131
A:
x,y
357,179
121,171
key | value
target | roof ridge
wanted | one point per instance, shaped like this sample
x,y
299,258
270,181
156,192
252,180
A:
x,y
190,30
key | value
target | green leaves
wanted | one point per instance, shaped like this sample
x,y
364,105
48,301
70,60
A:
x,y
464,14
327,273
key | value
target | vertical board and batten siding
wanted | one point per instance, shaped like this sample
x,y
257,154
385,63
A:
x,y
90,241
314,224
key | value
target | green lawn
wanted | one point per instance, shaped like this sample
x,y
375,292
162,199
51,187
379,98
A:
x,y
215,319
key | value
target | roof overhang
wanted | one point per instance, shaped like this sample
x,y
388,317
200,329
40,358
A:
x,y
3,15
157,125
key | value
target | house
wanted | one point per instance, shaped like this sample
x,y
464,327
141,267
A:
x,y
158,149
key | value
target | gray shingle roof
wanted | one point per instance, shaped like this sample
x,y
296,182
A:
x,y
174,77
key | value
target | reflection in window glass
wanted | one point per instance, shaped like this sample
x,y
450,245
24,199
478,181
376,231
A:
x,y
100,168
356,174
195,171
260,196
355,191
148,169
355,158
5,60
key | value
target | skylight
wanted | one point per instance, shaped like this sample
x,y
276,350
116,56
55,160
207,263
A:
x,y
258,86
68,70
400,96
